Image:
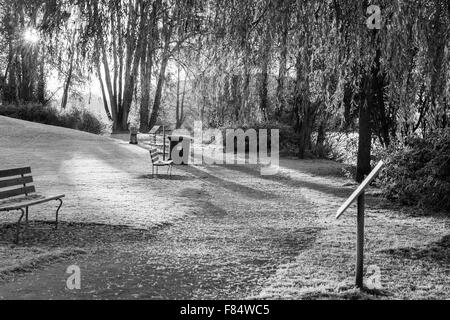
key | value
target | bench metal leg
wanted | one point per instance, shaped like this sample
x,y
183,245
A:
x,y
26,219
57,211
18,225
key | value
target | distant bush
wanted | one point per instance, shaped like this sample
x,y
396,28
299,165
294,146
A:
x,y
342,147
419,174
288,141
82,120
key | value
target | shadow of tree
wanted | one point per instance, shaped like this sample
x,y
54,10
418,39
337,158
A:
x,y
436,251
227,184
174,177
285,179
71,234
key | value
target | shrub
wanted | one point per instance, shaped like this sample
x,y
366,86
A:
x,y
419,173
74,118
288,141
84,120
342,147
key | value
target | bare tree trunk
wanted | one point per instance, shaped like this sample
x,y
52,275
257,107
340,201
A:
x,y
320,142
370,101
66,87
134,53
146,68
177,110
162,75
264,78
41,82
364,141
69,74
307,115
182,101
112,100
283,63
265,60
158,94
146,71
105,101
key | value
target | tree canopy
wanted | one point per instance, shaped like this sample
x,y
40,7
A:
x,y
314,66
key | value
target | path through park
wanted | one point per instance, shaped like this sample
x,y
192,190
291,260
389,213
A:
x,y
208,232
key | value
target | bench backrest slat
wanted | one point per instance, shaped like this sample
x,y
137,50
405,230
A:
x,y
154,130
11,179
15,182
16,192
14,172
154,155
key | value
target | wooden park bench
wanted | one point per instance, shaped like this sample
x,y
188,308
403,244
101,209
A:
x,y
14,198
156,162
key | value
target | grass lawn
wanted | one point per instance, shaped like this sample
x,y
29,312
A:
x,y
210,231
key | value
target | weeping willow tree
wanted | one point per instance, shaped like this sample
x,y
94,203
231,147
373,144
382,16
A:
x,y
396,75
22,59
314,66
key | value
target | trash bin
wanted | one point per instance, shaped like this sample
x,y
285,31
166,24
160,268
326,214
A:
x,y
133,135
179,147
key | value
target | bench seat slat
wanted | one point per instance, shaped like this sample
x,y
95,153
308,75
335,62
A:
x,y
15,181
14,172
27,201
161,163
17,192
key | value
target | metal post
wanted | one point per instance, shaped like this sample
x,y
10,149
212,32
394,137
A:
x,y
360,242
164,143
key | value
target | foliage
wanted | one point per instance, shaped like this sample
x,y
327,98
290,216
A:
x,y
288,140
419,174
308,66
79,119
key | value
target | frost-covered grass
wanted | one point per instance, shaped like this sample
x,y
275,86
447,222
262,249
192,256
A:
x,y
230,231
411,250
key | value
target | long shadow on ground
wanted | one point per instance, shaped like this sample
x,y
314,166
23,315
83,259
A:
x,y
71,234
438,252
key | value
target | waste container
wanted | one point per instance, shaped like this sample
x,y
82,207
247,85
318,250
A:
x,y
179,149
133,135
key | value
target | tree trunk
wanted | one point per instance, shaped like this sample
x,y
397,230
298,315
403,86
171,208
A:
x,y
264,79
146,68
162,76
158,94
307,116
320,143
145,93
364,141
177,109
102,86
40,92
372,100
182,102
112,99
67,85
283,62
